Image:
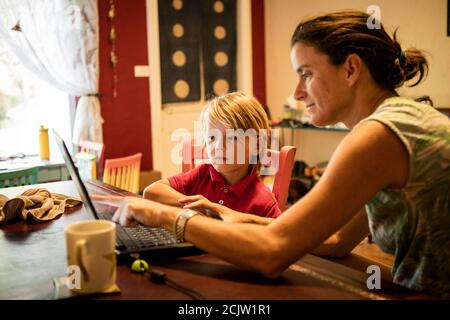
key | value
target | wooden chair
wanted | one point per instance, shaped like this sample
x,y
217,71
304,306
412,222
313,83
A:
x,y
98,150
20,177
280,168
123,172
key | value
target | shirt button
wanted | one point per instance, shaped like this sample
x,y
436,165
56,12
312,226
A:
x,y
225,190
220,201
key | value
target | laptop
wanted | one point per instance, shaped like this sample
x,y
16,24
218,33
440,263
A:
x,y
145,242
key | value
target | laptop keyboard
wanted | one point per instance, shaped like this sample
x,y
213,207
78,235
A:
x,y
140,237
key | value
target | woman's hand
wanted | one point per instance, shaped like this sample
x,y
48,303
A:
x,y
133,210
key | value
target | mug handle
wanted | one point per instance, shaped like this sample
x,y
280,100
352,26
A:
x,y
81,244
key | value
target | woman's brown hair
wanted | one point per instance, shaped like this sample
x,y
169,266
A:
x,y
341,33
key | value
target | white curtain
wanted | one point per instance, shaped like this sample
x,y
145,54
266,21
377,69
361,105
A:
x,y
58,40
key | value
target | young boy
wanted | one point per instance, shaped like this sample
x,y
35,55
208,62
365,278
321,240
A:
x,y
231,124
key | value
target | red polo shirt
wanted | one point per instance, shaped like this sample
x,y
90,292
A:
x,y
249,195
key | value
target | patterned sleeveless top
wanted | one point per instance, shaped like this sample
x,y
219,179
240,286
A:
x,y
413,223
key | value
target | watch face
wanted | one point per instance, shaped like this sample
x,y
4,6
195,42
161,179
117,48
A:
x,y
189,213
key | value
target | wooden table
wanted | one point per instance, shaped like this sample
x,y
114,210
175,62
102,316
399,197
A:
x,y
31,255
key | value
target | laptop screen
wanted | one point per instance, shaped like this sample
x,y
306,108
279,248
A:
x,y
75,175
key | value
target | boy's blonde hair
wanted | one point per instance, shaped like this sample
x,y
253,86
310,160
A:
x,y
237,110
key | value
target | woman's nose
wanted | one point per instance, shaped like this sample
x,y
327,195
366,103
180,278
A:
x,y
300,92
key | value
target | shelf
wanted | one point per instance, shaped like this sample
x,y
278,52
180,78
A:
x,y
307,127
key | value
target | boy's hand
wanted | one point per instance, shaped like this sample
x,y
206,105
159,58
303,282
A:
x,y
218,211
199,203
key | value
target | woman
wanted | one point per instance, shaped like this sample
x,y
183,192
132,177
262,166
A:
x,y
392,168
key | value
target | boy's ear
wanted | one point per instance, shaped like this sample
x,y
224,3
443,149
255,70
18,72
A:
x,y
353,65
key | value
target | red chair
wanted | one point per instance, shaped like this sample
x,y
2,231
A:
x,y
278,164
192,152
123,172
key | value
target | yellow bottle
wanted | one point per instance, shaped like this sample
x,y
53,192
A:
x,y
44,151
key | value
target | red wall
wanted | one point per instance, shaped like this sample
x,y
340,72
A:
x,y
258,48
126,129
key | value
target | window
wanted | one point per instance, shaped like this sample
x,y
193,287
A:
x,y
26,102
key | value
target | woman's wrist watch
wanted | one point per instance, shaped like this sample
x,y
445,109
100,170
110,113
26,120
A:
x,y
180,223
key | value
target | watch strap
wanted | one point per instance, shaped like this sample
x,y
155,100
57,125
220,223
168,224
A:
x,y
180,223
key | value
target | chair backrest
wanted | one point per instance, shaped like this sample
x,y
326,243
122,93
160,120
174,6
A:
x,y
98,150
190,153
20,177
281,162
123,172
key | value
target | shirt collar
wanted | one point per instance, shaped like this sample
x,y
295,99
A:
x,y
238,188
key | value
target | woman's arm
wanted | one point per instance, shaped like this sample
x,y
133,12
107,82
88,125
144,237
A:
x,y
162,192
369,159
342,242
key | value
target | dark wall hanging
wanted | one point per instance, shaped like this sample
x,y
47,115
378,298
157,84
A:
x,y
192,31
179,38
219,46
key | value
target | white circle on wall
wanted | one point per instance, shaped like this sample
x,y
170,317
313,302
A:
x,y
178,30
221,59
179,58
218,6
221,87
177,4
181,89
220,32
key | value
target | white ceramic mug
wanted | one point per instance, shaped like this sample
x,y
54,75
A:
x,y
91,256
